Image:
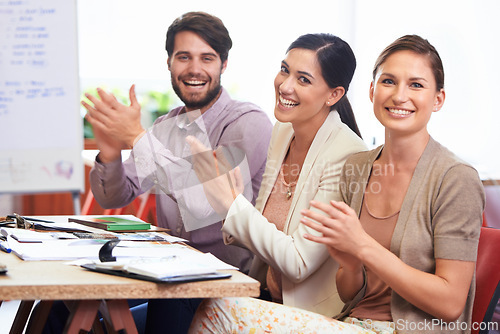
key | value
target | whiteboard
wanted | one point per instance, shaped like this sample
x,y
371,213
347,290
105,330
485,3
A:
x,y
41,129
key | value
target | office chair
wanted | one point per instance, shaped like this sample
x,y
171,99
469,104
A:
x,y
487,278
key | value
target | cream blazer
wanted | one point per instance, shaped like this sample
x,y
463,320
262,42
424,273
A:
x,y
308,272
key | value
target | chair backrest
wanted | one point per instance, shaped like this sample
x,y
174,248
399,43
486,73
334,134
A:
x,y
492,208
487,277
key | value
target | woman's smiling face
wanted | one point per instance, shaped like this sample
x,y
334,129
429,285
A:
x,y
404,93
301,91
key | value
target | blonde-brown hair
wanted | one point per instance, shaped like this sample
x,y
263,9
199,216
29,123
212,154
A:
x,y
420,46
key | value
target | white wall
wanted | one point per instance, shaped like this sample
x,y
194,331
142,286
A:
x,y
465,33
122,42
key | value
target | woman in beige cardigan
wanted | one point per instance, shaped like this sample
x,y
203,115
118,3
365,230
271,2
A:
x,y
309,145
406,237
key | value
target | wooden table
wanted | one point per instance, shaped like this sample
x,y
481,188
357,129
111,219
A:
x,y
87,292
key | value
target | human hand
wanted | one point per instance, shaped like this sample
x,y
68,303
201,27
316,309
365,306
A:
x,y
345,260
341,231
109,149
116,126
221,182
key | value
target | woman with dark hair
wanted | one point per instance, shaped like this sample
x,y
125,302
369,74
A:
x,y
308,148
333,74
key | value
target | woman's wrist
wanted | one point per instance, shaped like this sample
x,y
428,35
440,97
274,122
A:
x,y
106,157
352,268
228,203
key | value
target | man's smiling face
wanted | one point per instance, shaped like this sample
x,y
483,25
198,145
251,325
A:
x,y
195,69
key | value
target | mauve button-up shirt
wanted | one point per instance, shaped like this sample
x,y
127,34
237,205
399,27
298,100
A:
x,y
160,161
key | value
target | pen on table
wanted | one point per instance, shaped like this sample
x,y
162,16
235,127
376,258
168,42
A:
x,y
32,219
4,246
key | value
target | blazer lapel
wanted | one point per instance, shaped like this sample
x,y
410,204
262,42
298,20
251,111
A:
x,y
328,129
283,138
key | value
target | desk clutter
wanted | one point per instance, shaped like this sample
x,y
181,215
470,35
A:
x,y
147,253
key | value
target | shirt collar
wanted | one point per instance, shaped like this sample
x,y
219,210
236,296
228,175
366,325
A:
x,y
182,120
208,117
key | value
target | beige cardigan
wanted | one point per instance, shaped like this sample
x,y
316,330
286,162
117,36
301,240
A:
x,y
440,217
308,272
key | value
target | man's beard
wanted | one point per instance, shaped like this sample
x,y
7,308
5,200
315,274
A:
x,y
193,102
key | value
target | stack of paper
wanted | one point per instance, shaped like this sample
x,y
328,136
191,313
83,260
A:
x,y
22,235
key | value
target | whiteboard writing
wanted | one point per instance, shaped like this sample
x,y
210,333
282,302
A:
x,y
39,96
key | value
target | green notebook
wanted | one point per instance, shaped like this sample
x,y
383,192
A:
x,y
113,223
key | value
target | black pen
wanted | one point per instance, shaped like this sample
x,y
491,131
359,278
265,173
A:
x,y
31,219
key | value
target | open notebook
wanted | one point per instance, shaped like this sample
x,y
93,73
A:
x,y
168,270
181,265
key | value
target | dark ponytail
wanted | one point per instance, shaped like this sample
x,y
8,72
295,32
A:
x,y
337,62
346,114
